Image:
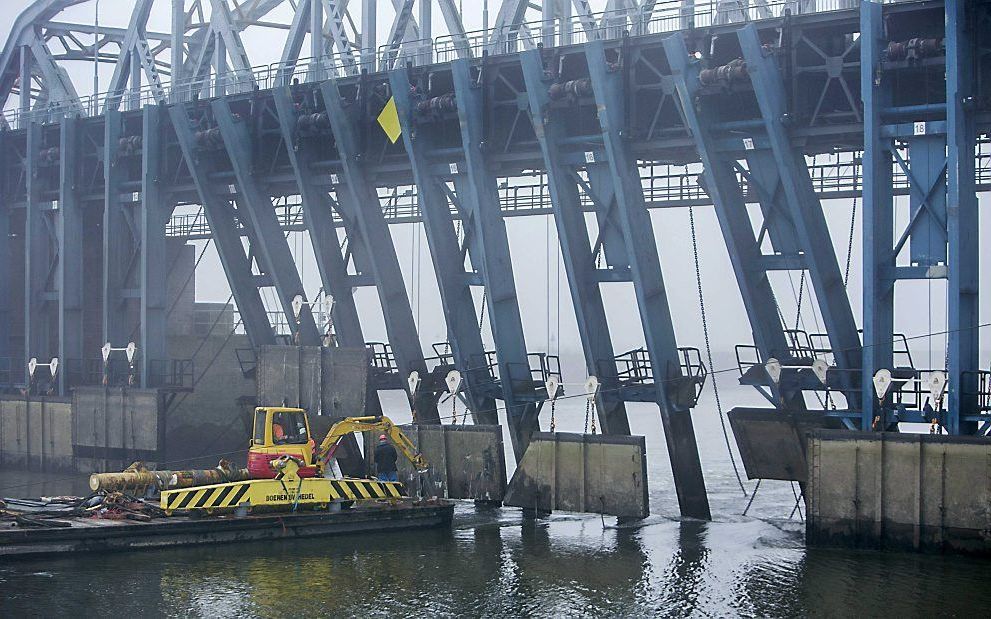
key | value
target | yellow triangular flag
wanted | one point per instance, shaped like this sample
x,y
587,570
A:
x,y
389,120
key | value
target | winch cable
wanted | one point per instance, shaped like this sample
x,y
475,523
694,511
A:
x,y
708,350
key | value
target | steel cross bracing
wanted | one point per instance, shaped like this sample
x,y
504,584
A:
x,y
608,128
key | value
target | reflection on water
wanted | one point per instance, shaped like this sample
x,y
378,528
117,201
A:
x,y
493,564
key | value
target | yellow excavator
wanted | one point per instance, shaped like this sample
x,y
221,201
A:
x,y
288,471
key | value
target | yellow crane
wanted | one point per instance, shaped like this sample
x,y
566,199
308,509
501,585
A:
x,y
289,471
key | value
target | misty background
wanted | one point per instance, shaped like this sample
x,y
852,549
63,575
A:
x,y
545,301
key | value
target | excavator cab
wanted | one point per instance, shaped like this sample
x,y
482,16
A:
x,y
280,432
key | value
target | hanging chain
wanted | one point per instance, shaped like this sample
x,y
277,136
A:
x,y
553,423
849,243
588,411
591,403
708,347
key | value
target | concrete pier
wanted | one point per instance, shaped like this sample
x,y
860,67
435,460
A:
x,y
927,493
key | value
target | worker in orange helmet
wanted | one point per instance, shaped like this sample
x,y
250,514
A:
x,y
278,433
385,460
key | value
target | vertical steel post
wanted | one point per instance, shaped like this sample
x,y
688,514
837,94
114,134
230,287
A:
x,y
156,209
358,197
226,235
36,255
448,262
579,262
724,190
655,313
70,252
257,211
962,222
806,211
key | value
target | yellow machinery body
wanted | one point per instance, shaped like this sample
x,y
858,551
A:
x,y
289,471
286,492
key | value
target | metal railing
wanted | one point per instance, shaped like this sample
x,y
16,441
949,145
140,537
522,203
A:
x,y
667,16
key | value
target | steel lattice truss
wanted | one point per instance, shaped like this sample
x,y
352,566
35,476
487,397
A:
x,y
203,44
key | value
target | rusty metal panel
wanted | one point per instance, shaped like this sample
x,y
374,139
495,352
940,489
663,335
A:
x,y
466,462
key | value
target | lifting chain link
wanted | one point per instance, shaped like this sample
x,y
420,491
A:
x,y
592,405
588,411
553,424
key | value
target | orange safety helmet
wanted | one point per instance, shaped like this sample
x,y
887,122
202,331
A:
x,y
383,437
277,432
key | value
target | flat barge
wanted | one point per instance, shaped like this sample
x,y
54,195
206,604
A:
x,y
77,534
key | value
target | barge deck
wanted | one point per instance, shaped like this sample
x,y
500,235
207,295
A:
x,y
76,534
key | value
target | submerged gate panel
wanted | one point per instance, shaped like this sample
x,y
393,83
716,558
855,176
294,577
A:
x,y
582,473
466,462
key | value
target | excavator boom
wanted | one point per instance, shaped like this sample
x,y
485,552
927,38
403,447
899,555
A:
x,y
383,425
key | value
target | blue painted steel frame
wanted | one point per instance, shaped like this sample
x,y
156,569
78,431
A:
x,y
962,222
648,281
37,257
807,215
70,264
227,238
318,215
272,247
731,211
479,196
359,202
579,262
453,282
156,210
878,235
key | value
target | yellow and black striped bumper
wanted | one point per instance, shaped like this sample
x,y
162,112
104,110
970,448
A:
x,y
279,493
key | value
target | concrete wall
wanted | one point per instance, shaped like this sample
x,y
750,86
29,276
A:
x,y
466,462
329,381
113,427
905,491
214,421
582,473
36,434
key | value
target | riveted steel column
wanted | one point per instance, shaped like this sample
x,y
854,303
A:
x,y
37,256
70,263
445,253
648,281
226,235
319,219
359,199
259,214
6,257
156,209
723,188
963,227
488,231
579,262
807,215
878,235
119,241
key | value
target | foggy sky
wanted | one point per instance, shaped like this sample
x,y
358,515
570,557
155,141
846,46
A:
x,y
921,305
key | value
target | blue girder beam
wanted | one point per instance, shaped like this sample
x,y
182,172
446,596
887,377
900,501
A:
x,y
70,252
318,214
122,213
359,202
256,208
878,235
38,256
577,255
479,196
156,210
463,328
806,211
724,190
226,235
655,313
963,227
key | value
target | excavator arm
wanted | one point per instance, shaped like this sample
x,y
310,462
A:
x,y
382,425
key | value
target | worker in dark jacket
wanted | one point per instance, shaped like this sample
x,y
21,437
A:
x,y
385,460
